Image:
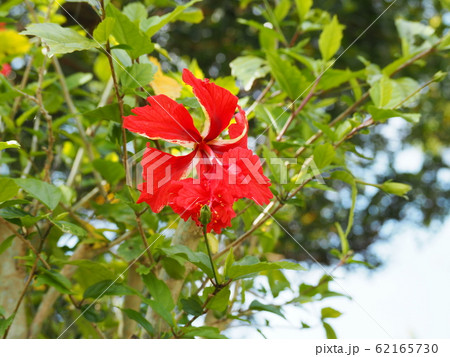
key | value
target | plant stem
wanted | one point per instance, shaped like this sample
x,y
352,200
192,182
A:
x,y
210,256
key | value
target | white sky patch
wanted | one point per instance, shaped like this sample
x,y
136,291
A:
x,y
409,160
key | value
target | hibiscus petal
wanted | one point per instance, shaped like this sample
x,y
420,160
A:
x,y
238,135
219,104
189,196
245,176
164,119
160,172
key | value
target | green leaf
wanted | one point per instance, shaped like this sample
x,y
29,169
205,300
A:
x,y
5,323
324,155
11,144
137,75
329,331
415,36
303,7
8,189
60,39
330,313
108,112
78,79
46,193
247,69
202,331
131,248
199,259
381,91
277,282
55,280
159,291
13,203
135,11
242,269
156,23
70,228
382,115
127,33
91,271
220,301
136,316
6,244
92,315
192,306
113,172
258,306
282,9
174,266
108,287
104,29
193,15
330,39
229,262
288,76
161,310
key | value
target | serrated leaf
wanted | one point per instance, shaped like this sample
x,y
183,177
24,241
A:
x,y
135,11
60,39
288,76
46,193
324,155
128,33
104,29
330,39
137,75
247,69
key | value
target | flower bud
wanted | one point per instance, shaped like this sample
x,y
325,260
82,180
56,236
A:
x,y
205,215
396,188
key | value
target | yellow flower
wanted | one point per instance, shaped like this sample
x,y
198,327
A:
x,y
163,84
13,44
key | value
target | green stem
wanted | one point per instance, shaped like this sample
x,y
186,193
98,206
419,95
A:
x,y
210,256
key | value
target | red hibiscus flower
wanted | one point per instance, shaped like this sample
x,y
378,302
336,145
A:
x,y
6,70
227,170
